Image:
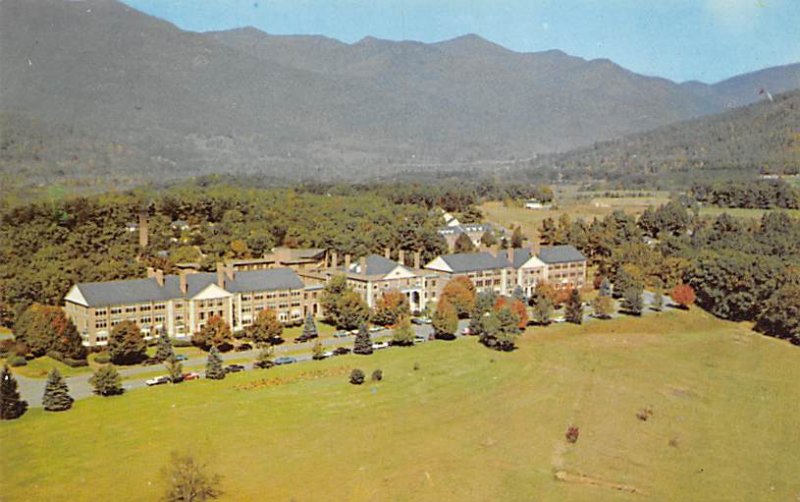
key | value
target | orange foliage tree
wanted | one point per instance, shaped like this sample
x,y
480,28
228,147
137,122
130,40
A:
x,y
516,306
683,295
460,293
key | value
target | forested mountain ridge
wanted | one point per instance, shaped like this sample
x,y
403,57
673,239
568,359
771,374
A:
x,y
762,137
182,104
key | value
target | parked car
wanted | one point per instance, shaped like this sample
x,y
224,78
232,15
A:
x,y
159,380
263,365
341,351
243,347
302,339
234,368
181,357
192,375
421,320
375,329
327,354
150,362
341,334
285,360
420,338
380,345
466,331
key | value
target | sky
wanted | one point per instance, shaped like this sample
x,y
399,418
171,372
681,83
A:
x,y
705,40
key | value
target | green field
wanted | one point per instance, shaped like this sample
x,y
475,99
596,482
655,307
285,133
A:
x,y
469,424
713,212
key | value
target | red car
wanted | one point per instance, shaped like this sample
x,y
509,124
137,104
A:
x,y
191,376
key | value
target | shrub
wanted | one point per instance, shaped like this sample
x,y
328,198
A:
x,y
102,358
644,414
75,363
377,376
107,382
572,434
181,342
356,377
17,361
7,347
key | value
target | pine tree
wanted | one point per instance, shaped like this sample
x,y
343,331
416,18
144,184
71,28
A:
x,y
175,369
214,369
56,393
106,381
11,406
632,300
605,287
657,303
574,308
517,239
310,328
363,342
164,350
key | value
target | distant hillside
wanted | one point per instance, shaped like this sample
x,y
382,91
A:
x,y
762,137
101,75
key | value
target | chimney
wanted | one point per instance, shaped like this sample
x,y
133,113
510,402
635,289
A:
x,y
347,261
511,255
160,277
536,248
401,257
144,233
334,259
221,275
230,272
184,284
151,272
387,252
363,264
417,259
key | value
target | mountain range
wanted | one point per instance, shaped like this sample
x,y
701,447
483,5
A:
x,y
95,88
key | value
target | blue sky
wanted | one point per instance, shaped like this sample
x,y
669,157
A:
x,y
706,40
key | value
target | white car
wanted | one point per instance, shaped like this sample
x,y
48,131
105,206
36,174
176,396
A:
x,y
380,345
327,354
159,380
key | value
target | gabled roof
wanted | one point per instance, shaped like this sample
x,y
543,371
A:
x,y
560,254
125,292
376,265
473,262
521,255
465,228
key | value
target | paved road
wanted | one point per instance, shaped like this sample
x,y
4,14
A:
x,y
33,388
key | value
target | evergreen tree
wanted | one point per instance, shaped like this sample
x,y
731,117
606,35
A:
x,y
56,393
517,239
363,342
174,368
488,239
403,333
657,303
501,327
310,328
164,350
605,287
543,308
632,300
316,351
484,303
214,369
126,345
11,406
574,308
107,381
519,294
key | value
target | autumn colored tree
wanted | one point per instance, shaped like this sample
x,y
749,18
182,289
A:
x,y
390,308
683,295
46,329
266,328
215,333
460,294
603,307
517,307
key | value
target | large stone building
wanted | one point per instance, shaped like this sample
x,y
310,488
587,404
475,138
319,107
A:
x,y
182,304
474,231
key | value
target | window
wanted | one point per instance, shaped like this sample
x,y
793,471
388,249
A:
x,y
116,310
100,312
115,322
101,323
144,308
129,310
246,298
159,319
146,320
258,297
159,306
220,303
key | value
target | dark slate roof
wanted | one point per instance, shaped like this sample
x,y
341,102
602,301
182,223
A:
x,y
473,262
560,254
465,228
147,290
376,265
520,256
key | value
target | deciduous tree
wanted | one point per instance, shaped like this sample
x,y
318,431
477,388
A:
x,y
126,345
574,308
215,333
683,295
445,321
460,294
189,480
780,316
603,307
464,244
106,381
390,307
403,332
266,328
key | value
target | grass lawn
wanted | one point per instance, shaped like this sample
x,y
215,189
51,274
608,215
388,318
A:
x,y
469,424
41,366
325,330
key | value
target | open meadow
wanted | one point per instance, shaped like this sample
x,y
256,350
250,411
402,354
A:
x,y
467,424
